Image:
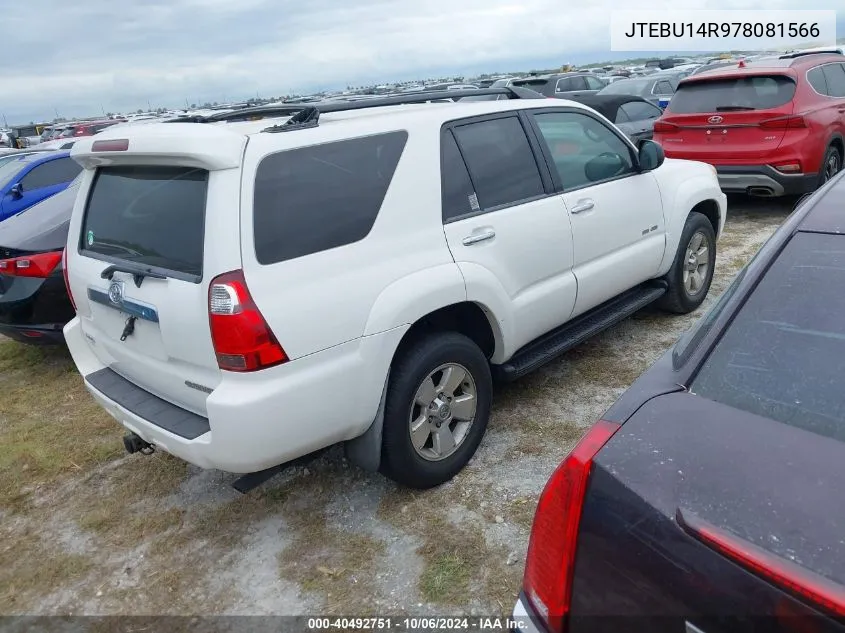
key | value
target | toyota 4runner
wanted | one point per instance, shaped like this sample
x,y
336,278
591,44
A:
x,y
256,286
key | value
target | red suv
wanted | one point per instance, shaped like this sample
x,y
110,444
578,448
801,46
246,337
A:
x,y
771,127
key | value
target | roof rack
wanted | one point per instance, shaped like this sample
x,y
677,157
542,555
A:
x,y
832,51
314,109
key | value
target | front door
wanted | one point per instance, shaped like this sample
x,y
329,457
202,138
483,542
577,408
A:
x,y
618,229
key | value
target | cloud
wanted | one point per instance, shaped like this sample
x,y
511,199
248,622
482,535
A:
x,y
79,57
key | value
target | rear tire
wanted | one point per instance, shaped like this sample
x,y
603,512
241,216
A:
x,y
692,271
436,410
831,165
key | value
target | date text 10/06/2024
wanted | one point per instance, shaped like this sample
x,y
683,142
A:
x,y
417,624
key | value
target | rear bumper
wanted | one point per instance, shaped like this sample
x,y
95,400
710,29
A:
x,y
50,334
523,620
258,420
759,179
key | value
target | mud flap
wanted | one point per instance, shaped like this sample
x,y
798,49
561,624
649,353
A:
x,y
365,450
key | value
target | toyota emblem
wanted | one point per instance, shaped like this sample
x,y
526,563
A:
x,y
116,292
715,119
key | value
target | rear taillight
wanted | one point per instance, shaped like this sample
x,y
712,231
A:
x,y
790,122
815,588
67,279
242,339
662,127
551,550
38,265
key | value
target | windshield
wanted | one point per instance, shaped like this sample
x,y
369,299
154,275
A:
x,y
627,87
11,168
760,92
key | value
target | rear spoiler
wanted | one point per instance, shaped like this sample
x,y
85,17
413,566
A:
x,y
202,146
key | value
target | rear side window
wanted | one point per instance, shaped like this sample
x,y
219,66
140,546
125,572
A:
x,y
640,110
152,216
55,172
500,161
835,76
783,356
458,196
756,93
817,80
315,198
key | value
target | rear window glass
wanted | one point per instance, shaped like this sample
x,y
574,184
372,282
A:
x,y
151,216
316,198
783,356
755,93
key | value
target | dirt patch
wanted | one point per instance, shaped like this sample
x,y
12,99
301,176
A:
x,y
88,530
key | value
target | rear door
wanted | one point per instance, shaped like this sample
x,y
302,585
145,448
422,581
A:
x,y
167,206
725,120
499,215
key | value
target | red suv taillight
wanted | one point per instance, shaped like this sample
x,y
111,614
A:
x,y
554,535
789,122
67,279
242,339
662,127
38,265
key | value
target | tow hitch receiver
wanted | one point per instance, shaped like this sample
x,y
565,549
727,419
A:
x,y
135,444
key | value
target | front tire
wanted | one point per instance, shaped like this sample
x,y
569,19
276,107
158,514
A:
x,y
691,274
436,410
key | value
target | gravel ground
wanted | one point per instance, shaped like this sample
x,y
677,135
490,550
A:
x,y
150,535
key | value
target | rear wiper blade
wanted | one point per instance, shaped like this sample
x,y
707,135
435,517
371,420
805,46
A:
x,y
138,273
734,108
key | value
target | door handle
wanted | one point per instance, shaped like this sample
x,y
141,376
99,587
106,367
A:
x,y
479,236
583,205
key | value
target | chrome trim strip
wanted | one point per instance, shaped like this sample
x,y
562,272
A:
x,y
131,307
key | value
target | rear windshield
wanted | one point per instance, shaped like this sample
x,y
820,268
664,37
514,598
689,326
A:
x,y
152,216
760,92
533,84
628,87
783,356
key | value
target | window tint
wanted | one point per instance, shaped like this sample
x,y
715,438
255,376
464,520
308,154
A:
x,y
150,215
783,356
565,85
500,161
663,88
593,83
457,192
576,139
835,76
315,198
640,111
817,80
760,93
579,83
55,172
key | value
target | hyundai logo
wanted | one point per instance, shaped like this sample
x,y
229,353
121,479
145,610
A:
x,y
116,292
715,119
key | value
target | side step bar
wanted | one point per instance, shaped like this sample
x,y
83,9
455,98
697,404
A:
x,y
561,340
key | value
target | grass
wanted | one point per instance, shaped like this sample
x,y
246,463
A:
x,y
28,565
49,425
453,555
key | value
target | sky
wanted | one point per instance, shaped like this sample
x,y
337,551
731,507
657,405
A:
x,y
96,56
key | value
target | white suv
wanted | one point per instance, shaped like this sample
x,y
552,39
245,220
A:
x,y
251,291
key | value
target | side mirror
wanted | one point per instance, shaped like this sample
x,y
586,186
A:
x,y
604,166
16,191
651,155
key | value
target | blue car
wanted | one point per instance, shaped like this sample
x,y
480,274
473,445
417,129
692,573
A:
x,y
29,179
